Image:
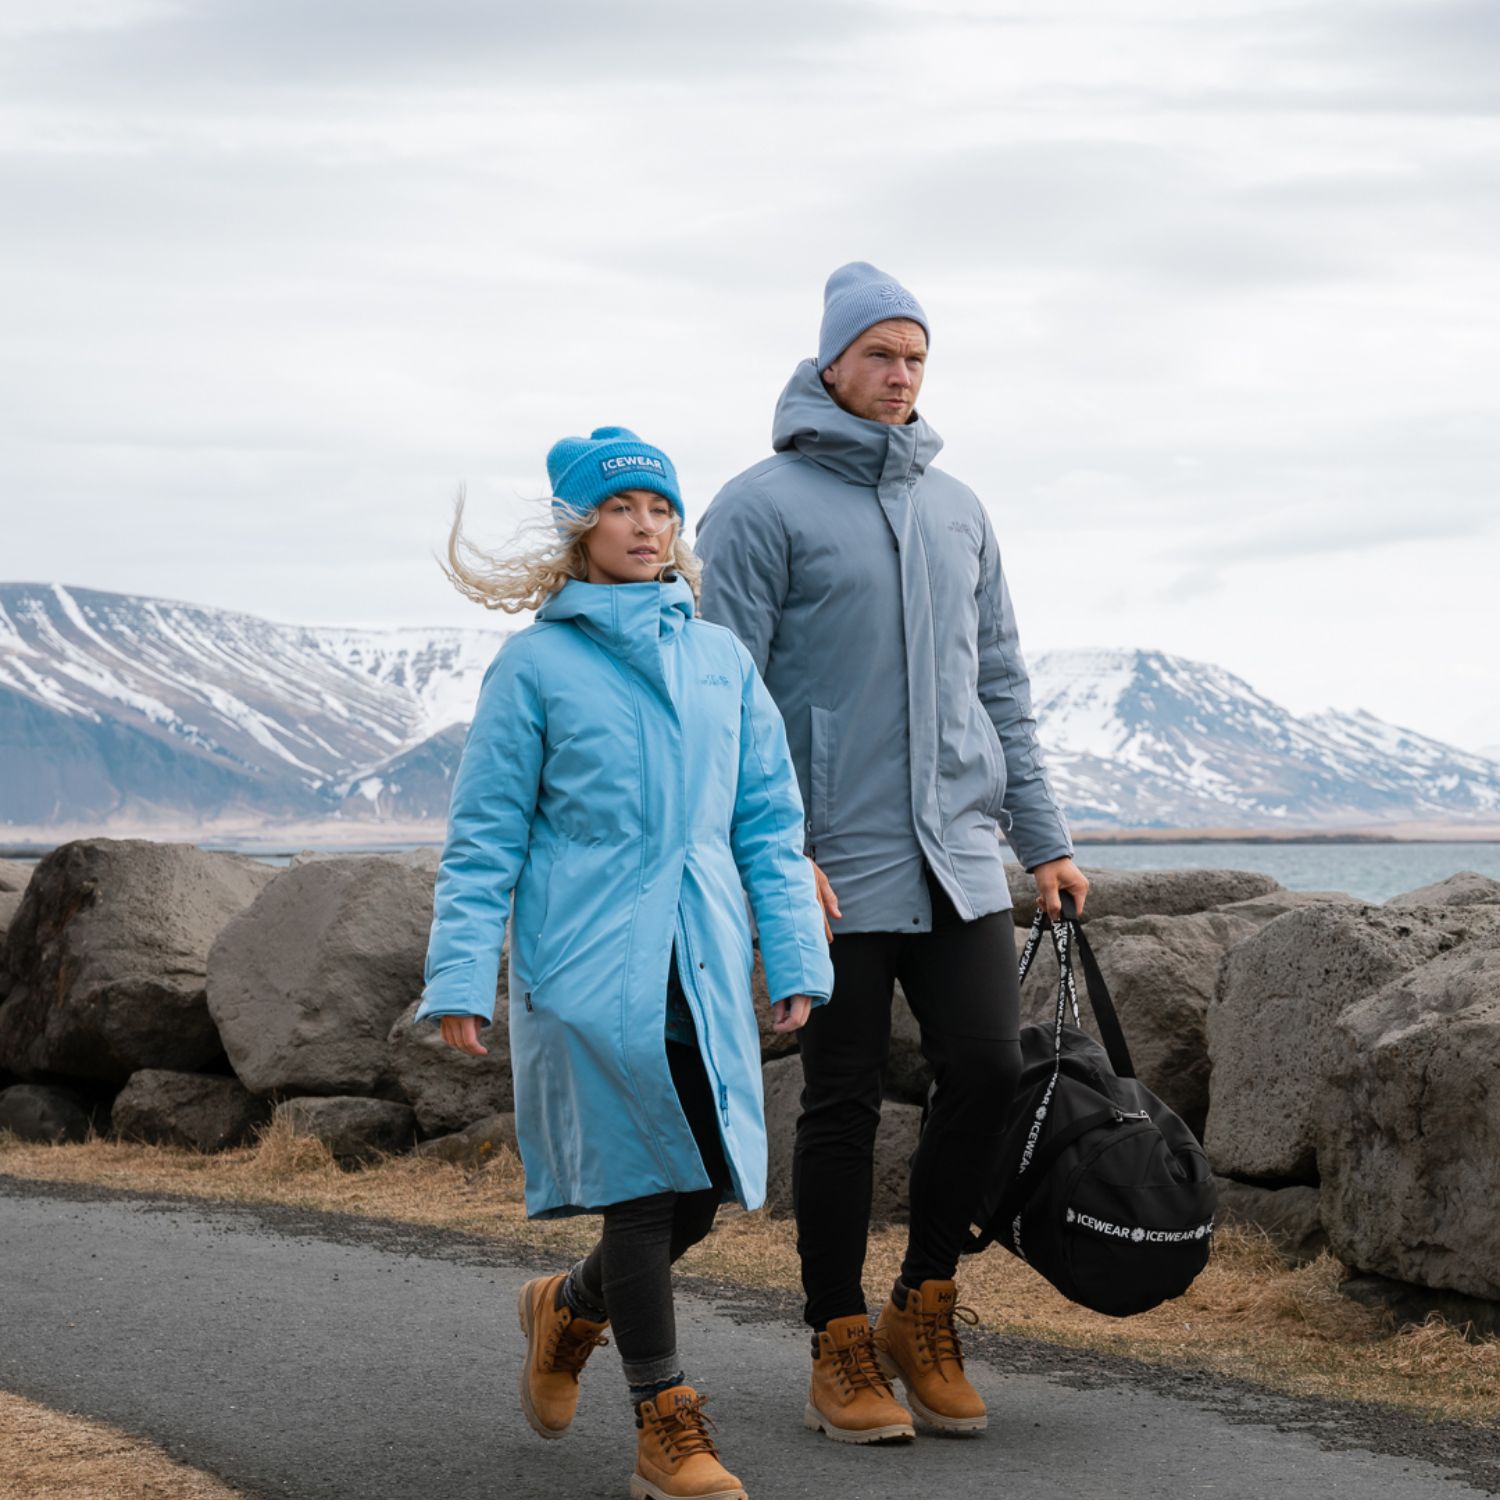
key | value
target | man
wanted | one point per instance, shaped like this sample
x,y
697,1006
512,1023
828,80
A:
x,y
868,588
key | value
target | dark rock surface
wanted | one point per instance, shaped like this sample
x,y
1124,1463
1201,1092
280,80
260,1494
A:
x,y
44,1113
1271,1023
1406,1303
1138,893
1287,1215
202,1112
355,1130
476,1144
1409,1131
107,958
306,984
1467,888
447,1088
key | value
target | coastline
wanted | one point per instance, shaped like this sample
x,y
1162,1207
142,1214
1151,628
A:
x,y
286,840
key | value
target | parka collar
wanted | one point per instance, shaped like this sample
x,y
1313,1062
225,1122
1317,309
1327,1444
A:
x,y
809,420
622,615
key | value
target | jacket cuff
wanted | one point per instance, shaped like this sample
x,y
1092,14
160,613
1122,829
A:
x,y
450,992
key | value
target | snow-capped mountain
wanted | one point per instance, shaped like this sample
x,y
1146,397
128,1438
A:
x,y
118,710
1143,739
116,706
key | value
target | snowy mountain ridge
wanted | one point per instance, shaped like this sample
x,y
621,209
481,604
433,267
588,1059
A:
x,y
117,707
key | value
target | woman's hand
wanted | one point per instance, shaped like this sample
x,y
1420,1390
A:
x,y
791,1015
827,900
463,1032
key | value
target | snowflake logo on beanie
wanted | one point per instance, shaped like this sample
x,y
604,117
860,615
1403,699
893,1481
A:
x,y
896,297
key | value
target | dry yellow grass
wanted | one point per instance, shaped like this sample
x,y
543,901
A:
x,y
1247,1316
50,1455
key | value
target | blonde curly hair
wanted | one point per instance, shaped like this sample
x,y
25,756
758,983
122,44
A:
x,y
543,555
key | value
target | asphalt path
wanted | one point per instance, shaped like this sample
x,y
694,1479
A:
x,y
323,1358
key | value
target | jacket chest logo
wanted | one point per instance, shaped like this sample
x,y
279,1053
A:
x,y
714,679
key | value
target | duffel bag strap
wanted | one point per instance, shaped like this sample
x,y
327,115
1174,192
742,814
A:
x,y
1110,1031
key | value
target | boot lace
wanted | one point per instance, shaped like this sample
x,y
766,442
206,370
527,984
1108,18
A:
x,y
859,1369
684,1430
937,1335
569,1346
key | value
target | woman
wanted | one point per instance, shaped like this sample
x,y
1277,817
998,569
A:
x,y
626,775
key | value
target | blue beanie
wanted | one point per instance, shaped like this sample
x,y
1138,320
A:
x,y
856,298
584,471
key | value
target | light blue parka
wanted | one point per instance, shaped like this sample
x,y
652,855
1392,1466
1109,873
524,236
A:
x,y
867,585
626,775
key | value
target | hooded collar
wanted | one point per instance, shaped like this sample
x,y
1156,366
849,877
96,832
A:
x,y
809,420
623,616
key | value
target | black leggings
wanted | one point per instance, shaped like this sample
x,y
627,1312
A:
x,y
960,980
629,1272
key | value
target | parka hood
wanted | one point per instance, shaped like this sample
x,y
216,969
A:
x,y
810,421
620,614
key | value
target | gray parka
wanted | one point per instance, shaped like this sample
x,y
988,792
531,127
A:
x,y
867,586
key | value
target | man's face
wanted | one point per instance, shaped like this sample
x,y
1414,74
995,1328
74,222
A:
x,y
878,376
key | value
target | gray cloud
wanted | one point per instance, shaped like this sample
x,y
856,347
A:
x,y
204,48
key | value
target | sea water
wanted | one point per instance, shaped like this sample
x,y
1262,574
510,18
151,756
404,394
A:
x,y
1368,871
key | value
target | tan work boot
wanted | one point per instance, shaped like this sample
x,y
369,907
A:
x,y
919,1345
850,1398
557,1346
675,1458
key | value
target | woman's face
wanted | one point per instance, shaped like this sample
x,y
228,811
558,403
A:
x,y
633,541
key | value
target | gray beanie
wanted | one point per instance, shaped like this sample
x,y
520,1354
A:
x,y
856,298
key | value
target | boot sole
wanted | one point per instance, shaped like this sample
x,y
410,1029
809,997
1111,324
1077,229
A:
x,y
893,1373
523,1312
643,1489
893,1432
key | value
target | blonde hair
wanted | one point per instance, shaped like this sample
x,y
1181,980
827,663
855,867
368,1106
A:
x,y
544,554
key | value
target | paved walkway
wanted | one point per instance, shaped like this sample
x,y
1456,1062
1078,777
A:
x,y
297,1355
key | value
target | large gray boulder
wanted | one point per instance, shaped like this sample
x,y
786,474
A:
x,y
1138,893
107,958
354,1130
1273,904
1467,888
447,1088
1161,973
1409,1129
1271,1023
895,1141
43,1113
306,984
199,1111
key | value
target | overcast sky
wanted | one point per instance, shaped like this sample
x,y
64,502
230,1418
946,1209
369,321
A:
x,y
1213,287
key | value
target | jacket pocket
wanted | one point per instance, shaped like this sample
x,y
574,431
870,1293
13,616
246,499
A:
x,y
534,896
998,774
821,784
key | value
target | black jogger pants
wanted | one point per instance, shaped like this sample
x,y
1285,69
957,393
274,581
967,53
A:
x,y
960,980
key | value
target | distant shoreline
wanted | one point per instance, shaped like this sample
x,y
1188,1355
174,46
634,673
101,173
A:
x,y
1083,838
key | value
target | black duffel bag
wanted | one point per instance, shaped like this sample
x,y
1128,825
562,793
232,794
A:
x,y
1101,1187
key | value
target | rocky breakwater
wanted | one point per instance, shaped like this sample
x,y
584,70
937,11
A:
x,y
1341,1060
1355,1084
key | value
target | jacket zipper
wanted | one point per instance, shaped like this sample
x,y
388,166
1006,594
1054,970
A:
x,y
700,1018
